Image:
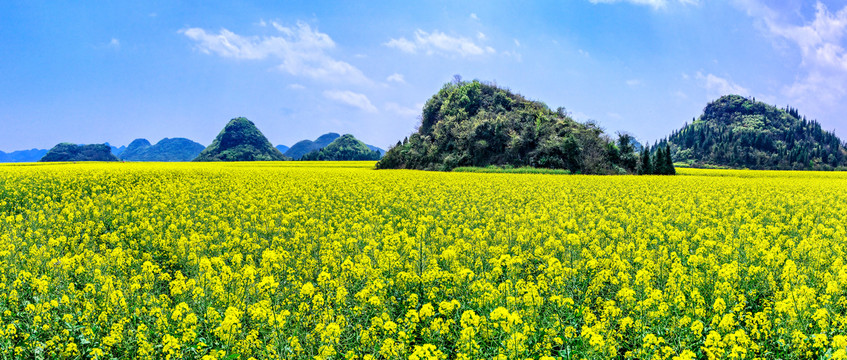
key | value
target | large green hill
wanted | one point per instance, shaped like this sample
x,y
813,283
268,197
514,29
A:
x,y
240,140
174,149
479,124
74,152
738,132
346,147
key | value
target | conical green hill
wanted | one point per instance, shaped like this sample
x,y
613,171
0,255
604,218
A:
x,y
240,140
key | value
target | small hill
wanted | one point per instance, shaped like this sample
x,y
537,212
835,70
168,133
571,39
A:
x,y
282,148
377,149
738,132
479,124
32,155
116,150
240,140
174,149
135,148
74,152
304,147
344,148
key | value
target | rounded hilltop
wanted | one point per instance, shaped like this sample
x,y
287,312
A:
x,y
240,140
477,124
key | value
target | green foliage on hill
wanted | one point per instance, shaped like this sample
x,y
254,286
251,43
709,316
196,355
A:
x,y
734,131
240,140
74,152
478,124
175,149
304,147
344,148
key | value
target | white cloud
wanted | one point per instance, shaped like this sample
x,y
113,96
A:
x,y
517,43
302,50
473,16
350,98
480,35
402,110
717,86
395,77
822,82
296,87
655,4
115,43
633,82
440,43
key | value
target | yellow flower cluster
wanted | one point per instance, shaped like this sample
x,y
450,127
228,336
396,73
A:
x,y
337,261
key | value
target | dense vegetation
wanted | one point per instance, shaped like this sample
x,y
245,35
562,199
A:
x,y
240,140
304,147
344,148
74,152
478,124
31,155
743,133
175,149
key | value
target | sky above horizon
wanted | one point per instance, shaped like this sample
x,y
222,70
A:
x,y
115,71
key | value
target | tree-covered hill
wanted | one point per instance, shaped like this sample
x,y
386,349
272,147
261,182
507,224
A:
x,y
173,149
478,124
240,140
304,147
346,147
738,132
74,152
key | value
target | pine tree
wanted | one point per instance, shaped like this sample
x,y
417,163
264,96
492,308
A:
x,y
669,169
645,169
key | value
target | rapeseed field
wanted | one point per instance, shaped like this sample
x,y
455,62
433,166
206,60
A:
x,y
337,261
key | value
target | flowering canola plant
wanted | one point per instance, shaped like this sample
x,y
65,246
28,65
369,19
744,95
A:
x,y
337,261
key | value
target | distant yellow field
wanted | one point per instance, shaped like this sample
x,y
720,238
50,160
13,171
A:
x,y
325,260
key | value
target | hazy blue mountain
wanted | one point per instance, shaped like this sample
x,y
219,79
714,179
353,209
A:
x,y
374,148
282,148
116,150
31,155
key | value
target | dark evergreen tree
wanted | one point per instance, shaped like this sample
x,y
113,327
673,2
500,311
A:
x,y
646,168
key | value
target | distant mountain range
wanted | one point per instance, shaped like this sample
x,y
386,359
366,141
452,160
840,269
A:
x,y
177,149
344,148
303,147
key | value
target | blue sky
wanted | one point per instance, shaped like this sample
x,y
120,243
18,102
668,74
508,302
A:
x,y
118,70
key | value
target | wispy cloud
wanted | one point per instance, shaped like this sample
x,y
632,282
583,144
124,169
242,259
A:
x,y
717,86
302,50
350,98
633,82
395,77
439,43
822,82
655,4
402,110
